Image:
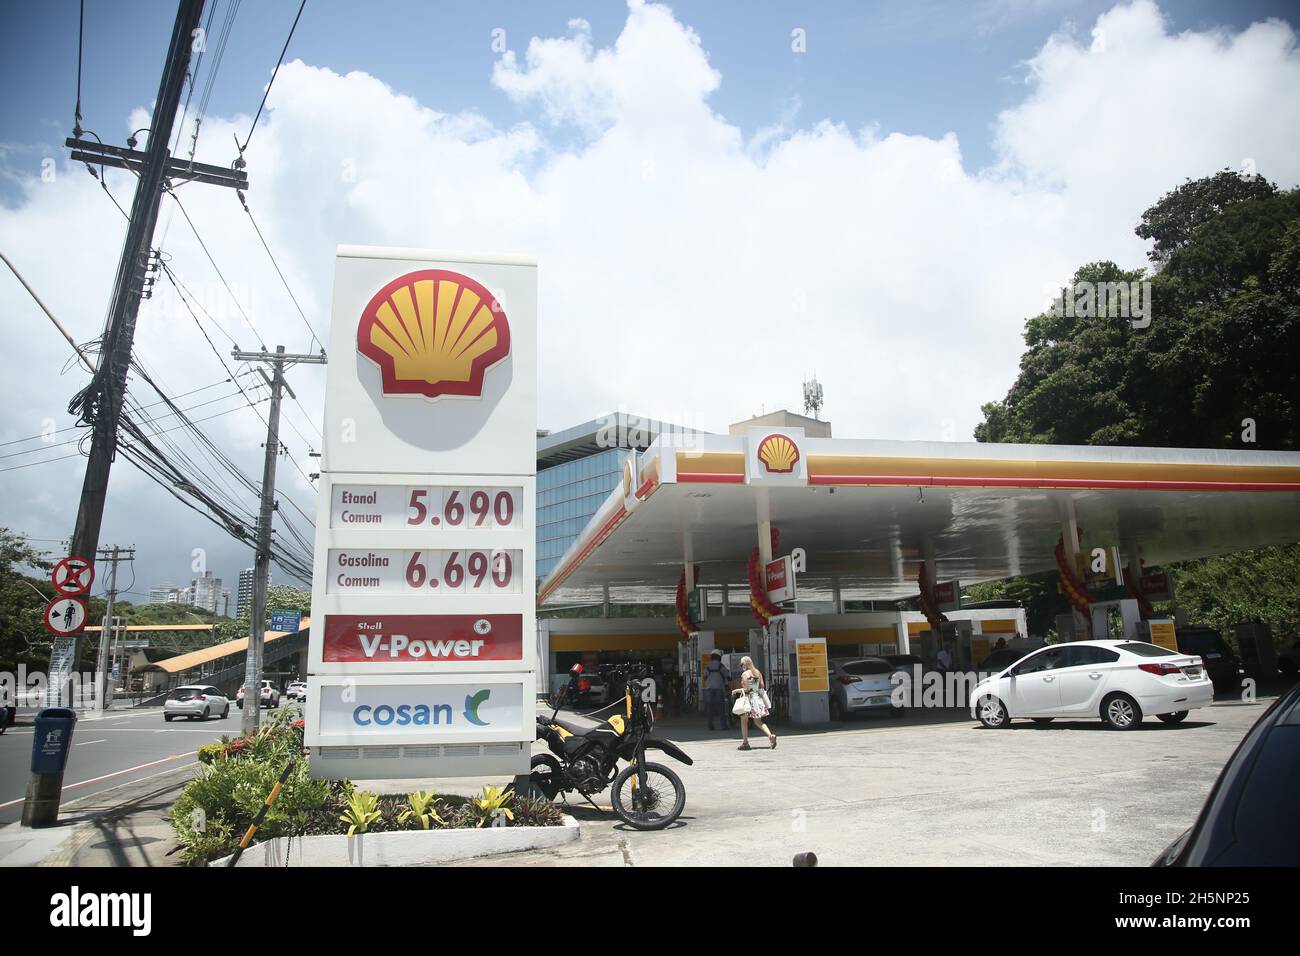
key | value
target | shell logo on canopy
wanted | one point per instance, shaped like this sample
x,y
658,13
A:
x,y
434,332
778,454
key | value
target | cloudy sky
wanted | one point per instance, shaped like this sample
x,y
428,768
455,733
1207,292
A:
x,y
725,198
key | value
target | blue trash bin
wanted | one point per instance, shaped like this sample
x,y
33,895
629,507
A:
x,y
53,739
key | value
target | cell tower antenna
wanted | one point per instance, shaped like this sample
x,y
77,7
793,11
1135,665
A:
x,y
812,397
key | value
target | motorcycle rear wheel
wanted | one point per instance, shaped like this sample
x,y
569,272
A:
x,y
667,797
546,775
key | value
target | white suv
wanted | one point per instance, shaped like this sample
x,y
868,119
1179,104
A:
x,y
269,697
297,690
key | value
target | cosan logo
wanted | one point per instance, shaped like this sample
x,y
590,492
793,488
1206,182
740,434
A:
x,y
76,909
419,714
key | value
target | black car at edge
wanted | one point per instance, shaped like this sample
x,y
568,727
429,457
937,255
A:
x,y
1249,818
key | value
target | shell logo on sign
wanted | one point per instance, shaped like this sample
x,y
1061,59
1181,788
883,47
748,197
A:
x,y
433,332
778,454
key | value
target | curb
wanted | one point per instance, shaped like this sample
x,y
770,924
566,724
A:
x,y
404,847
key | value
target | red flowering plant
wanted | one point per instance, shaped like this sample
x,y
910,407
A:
x,y
279,735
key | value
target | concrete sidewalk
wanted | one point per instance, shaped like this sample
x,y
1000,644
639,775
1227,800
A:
x,y
123,826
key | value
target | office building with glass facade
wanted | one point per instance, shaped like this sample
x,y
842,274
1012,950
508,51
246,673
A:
x,y
577,469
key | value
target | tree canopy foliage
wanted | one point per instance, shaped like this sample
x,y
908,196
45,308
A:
x,y
1223,344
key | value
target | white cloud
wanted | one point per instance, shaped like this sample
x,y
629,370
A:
x,y
687,271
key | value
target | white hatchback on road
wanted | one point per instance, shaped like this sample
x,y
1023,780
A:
x,y
195,701
1118,681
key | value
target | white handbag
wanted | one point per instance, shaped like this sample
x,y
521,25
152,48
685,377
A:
x,y
741,706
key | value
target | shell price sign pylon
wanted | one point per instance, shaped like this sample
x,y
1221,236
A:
x,y
422,643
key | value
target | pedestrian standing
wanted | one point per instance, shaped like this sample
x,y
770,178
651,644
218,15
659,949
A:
x,y
716,679
756,706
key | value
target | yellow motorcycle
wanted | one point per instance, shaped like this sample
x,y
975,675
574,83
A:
x,y
585,760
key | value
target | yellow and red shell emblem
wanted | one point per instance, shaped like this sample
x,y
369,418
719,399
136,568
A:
x,y
432,333
778,454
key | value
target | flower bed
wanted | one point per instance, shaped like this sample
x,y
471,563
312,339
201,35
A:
x,y
216,807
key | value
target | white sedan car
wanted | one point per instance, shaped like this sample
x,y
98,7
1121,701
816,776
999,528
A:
x,y
1118,681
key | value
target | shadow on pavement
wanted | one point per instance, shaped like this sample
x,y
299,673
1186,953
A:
x,y
1058,724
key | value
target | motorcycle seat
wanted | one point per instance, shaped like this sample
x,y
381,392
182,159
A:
x,y
578,730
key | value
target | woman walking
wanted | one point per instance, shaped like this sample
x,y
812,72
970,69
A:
x,y
753,690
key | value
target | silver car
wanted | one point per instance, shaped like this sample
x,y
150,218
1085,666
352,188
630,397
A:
x,y
861,684
195,701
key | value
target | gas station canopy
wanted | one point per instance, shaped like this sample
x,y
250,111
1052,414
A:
x,y
868,512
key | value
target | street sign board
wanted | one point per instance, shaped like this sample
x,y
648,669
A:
x,y
286,621
1157,587
947,596
810,658
425,544
1164,634
779,580
72,576
697,609
64,616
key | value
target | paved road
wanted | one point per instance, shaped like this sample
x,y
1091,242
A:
x,y
109,750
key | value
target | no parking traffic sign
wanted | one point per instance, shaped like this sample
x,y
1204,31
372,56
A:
x,y
73,576
65,616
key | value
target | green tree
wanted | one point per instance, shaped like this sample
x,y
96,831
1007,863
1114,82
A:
x,y
286,598
1260,585
278,598
1222,345
1171,222
23,639
1036,593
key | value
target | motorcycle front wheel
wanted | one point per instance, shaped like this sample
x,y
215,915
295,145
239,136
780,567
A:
x,y
546,775
653,805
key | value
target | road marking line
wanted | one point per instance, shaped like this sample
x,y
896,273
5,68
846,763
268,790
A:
x,y
103,740
107,776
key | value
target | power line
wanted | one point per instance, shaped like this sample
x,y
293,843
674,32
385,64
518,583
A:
x,y
310,328
274,73
156,465
44,461
193,75
50,315
219,54
73,441
167,271
207,418
171,192
81,32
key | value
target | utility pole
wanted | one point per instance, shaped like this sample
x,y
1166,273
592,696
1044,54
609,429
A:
x,y
100,404
115,555
279,360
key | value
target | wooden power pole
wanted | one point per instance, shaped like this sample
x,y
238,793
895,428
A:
x,y
278,360
100,403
